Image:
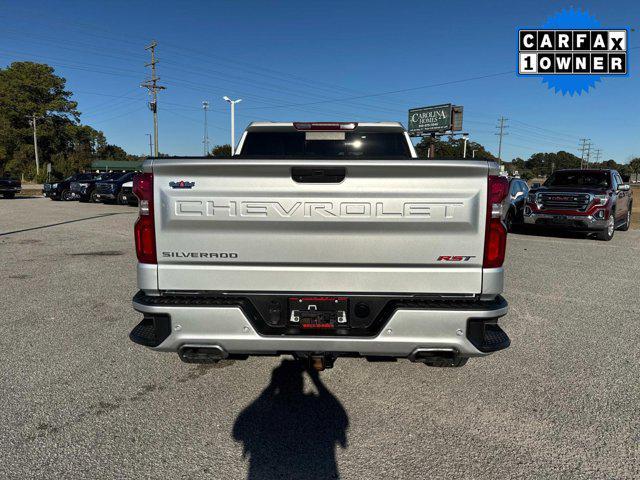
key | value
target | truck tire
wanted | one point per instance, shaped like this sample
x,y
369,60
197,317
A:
x,y
122,199
66,195
449,363
607,234
627,223
93,196
508,220
9,195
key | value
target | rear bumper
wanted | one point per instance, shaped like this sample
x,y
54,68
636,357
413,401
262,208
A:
x,y
406,330
10,189
574,222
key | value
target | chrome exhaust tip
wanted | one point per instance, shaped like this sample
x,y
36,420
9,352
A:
x,y
202,353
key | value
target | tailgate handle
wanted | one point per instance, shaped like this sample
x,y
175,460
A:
x,y
318,175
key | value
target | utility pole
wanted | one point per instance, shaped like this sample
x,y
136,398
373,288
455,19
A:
x,y
150,146
583,149
598,152
153,87
589,145
205,140
32,122
501,133
233,121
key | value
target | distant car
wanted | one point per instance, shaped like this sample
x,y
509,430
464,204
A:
x,y
9,186
85,190
62,190
596,201
126,195
513,205
109,190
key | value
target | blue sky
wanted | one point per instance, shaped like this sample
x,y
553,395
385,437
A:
x,y
277,55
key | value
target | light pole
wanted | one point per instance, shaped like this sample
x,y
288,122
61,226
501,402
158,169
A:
x,y
233,128
205,140
32,122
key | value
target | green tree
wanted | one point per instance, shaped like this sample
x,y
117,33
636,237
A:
x,y
28,88
634,166
221,151
453,148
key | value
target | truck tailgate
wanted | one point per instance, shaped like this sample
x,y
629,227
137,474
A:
x,y
391,226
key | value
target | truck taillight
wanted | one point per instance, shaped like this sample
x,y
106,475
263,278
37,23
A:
x,y
144,229
495,237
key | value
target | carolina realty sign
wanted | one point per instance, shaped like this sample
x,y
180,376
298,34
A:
x,y
436,118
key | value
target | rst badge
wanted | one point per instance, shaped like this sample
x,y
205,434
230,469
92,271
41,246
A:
x,y
182,184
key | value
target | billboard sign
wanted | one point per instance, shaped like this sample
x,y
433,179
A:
x,y
456,121
436,118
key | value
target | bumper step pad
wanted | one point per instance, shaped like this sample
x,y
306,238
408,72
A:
x,y
487,337
151,331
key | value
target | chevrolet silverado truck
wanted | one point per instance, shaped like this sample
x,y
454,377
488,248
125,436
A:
x,y
581,200
321,240
109,190
85,189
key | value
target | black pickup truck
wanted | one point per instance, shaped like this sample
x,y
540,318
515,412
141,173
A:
x,y
85,190
9,186
62,190
109,190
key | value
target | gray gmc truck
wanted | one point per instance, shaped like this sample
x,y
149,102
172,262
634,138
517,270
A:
x,y
321,240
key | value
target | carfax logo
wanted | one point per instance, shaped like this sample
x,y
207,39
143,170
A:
x,y
571,52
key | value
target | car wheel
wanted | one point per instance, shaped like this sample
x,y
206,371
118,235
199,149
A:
x,y
122,199
607,233
627,222
9,195
508,221
66,195
93,197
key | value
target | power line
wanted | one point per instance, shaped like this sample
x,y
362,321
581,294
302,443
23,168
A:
x,y
379,94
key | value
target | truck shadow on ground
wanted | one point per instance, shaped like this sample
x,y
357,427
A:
x,y
551,232
287,433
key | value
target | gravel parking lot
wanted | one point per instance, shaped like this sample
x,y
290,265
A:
x,y
79,400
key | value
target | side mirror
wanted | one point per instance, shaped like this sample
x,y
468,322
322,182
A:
x,y
535,185
623,187
518,195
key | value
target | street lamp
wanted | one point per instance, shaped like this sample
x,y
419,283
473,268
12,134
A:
x,y
465,138
233,128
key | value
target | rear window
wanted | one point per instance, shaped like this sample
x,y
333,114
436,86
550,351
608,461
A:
x,y
321,144
579,179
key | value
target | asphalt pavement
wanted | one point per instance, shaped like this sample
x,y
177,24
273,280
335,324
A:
x,y
79,400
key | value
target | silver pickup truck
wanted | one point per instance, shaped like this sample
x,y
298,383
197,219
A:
x,y
321,240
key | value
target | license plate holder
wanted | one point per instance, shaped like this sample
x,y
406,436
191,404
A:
x,y
318,312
